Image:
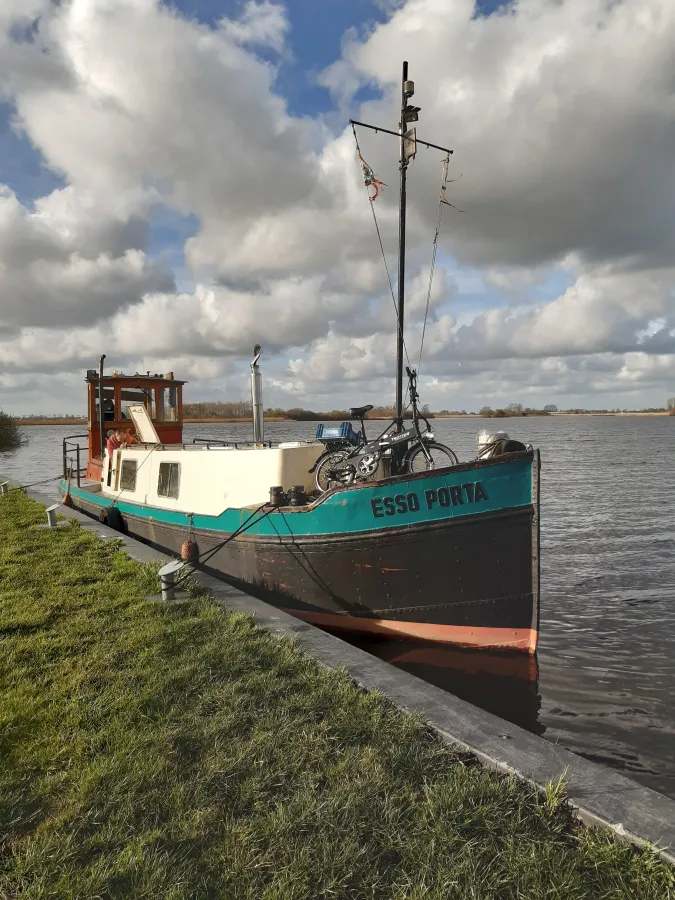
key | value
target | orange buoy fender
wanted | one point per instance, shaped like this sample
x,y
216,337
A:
x,y
189,551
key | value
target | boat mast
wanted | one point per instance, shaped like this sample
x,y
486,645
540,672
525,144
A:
x,y
408,142
407,89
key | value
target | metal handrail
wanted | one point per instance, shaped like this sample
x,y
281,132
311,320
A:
x,y
235,444
68,446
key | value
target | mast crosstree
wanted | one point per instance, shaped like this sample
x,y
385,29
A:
x,y
408,141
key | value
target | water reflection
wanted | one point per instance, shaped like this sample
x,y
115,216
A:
x,y
505,684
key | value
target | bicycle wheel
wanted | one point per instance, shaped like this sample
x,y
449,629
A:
x,y
441,457
328,462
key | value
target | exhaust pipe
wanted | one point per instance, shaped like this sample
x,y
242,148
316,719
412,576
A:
x,y
100,406
256,397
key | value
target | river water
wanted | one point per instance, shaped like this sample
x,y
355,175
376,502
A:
x,y
604,679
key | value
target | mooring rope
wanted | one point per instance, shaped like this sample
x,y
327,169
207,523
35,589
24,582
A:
x,y
240,530
22,487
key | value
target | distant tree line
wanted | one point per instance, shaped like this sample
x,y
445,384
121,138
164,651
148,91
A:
x,y
48,417
517,409
241,409
309,415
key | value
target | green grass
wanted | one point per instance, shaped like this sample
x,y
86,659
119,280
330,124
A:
x,y
182,752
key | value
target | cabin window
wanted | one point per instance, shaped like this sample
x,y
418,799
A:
x,y
168,484
167,404
107,402
128,475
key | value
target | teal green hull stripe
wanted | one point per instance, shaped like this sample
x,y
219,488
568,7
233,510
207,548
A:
x,y
436,497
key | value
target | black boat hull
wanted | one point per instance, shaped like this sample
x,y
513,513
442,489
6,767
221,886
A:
x,y
470,581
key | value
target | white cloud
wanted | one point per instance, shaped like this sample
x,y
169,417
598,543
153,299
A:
x,y
262,24
561,117
60,264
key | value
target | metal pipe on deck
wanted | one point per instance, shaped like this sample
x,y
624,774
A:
x,y
256,397
100,404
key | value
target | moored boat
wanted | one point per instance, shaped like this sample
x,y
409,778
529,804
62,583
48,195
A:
x,y
404,540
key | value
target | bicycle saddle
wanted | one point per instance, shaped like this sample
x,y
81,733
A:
x,y
358,412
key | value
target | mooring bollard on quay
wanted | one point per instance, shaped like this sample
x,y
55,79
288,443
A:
x,y
51,518
169,578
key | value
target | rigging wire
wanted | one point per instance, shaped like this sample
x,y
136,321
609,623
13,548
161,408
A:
x,y
369,179
442,200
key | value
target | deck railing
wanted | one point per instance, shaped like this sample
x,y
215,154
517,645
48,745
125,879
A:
x,y
71,454
217,443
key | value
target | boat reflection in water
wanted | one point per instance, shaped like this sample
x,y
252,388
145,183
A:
x,y
506,685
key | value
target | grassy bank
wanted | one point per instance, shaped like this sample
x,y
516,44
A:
x,y
181,752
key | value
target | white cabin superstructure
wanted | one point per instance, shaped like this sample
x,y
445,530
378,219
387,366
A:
x,y
206,480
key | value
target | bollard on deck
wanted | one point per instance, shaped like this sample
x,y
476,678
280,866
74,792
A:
x,y
4,487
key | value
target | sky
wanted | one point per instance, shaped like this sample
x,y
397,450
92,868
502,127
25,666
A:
x,y
179,181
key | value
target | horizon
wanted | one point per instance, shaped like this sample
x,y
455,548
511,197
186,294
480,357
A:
x,y
376,408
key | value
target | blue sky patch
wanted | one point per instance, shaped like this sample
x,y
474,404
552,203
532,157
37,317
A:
x,y
22,167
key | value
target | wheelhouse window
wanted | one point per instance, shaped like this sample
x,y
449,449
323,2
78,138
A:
x,y
168,484
133,396
128,475
108,405
167,404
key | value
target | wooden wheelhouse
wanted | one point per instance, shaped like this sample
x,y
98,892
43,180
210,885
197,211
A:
x,y
162,396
